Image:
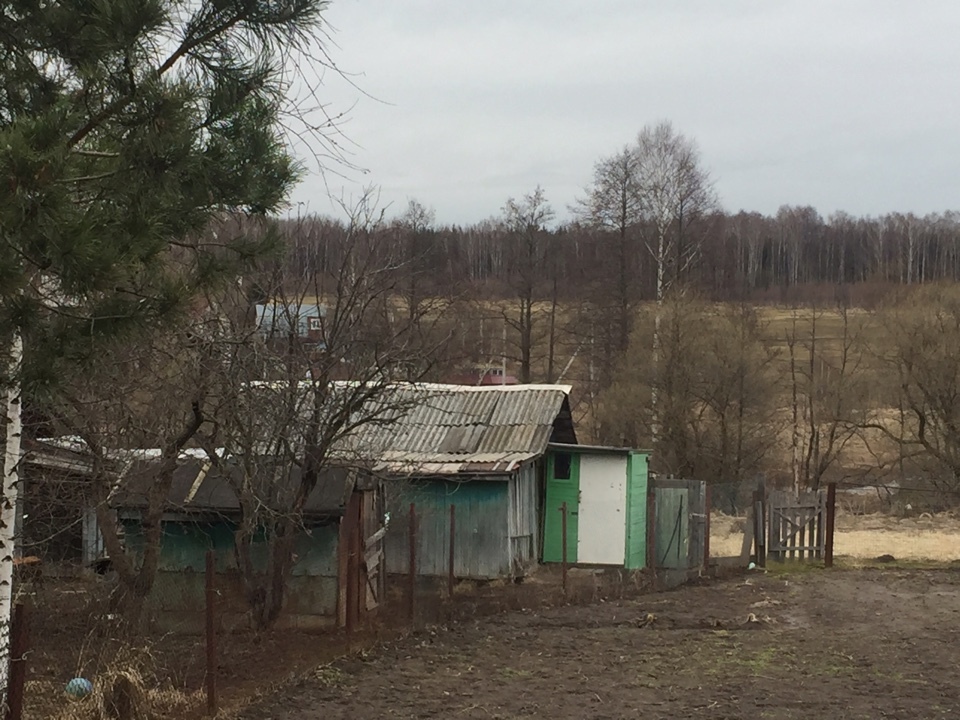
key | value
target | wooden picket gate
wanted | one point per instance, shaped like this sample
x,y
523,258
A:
x,y
796,526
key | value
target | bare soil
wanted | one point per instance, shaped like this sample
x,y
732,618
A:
x,y
831,644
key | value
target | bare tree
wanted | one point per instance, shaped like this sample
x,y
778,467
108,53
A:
x,y
717,409
828,384
526,222
921,370
414,226
146,393
288,405
675,191
613,206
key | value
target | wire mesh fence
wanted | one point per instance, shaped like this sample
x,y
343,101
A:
x,y
195,646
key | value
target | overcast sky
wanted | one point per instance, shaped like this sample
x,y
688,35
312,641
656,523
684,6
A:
x,y
841,104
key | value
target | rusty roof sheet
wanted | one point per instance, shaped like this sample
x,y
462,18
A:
x,y
199,487
456,429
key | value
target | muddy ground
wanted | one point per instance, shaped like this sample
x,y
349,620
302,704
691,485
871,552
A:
x,y
830,644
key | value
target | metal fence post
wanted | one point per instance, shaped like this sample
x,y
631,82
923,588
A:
x,y
760,530
706,527
651,560
831,523
17,673
413,562
451,569
210,679
563,540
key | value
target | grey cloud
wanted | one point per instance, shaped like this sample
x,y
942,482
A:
x,y
848,105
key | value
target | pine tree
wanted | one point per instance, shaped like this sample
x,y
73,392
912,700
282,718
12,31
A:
x,y
126,126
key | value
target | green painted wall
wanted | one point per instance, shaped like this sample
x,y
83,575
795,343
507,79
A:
x,y
184,547
178,598
561,491
482,539
636,535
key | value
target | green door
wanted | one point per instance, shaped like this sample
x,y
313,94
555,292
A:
x,y
636,535
563,486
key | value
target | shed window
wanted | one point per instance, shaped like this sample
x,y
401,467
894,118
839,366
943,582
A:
x,y
561,466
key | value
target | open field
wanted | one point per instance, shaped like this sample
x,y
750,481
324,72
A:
x,y
857,644
934,538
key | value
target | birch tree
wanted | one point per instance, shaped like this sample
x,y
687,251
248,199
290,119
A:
x,y
675,191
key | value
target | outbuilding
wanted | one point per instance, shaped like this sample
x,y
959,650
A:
x,y
600,495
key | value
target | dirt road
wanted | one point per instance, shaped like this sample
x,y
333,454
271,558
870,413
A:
x,y
827,644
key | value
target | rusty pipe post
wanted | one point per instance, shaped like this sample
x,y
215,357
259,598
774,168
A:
x,y
451,567
17,672
831,524
563,550
413,562
210,676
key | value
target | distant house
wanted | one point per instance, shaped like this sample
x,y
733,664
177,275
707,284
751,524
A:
x,y
277,320
57,517
483,375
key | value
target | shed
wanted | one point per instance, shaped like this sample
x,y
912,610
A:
x,y
329,578
56,513
479,450
603,491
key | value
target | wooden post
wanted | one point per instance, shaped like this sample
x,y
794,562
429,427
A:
x,y
210,676
413,562
831,523
17,674
759,533
651,529
706,528
451,567
563,549
356,586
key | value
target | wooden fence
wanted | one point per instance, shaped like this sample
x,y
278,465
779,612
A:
x,y
783,526
680,524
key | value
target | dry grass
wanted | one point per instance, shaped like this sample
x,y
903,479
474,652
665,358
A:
x,y
865,537
152,703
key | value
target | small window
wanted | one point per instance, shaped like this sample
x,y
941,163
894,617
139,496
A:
x,y
561,466
314,324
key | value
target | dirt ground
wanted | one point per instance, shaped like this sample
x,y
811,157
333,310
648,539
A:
x,y
832,644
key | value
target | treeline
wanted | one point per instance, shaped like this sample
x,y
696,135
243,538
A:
x,y
749,256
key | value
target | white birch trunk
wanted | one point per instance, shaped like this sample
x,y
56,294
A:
x,y
654,394
8,507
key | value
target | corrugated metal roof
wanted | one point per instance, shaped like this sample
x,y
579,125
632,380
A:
x,y
199,487
451,429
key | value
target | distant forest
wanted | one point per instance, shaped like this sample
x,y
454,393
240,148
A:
x,y
793,257
649,220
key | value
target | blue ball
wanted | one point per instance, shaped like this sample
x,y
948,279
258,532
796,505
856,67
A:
x,y
79,687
